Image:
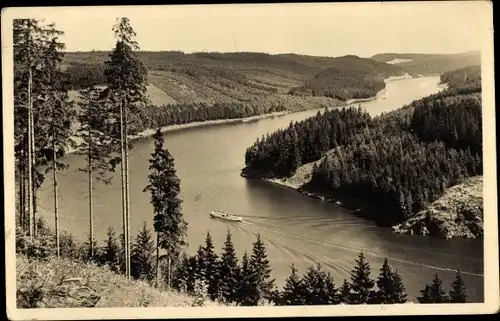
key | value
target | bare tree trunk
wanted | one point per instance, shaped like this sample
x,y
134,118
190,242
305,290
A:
x,y
25,187
157,259
127,189
33,169
91,212
56,207
30,159
169,260
22,203
124,207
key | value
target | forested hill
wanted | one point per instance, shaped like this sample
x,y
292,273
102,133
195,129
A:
x,y
251,73
350,77
426,64
400,161
250,78
463,77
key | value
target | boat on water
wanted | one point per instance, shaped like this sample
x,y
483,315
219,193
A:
x,y
338,203
226,216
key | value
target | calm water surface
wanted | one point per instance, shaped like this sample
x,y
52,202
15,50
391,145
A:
x,y
295,228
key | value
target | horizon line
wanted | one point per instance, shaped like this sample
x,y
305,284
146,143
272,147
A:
x,y
275,54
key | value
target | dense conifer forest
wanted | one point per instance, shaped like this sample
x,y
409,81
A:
x,y
350,77
463,77
213,274
400,160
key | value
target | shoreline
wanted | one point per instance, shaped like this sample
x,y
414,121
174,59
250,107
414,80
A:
x,y
169,128
164,129
357,206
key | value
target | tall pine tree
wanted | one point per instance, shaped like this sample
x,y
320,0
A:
x,y
126,80
164,186
36,58
59,119
96,143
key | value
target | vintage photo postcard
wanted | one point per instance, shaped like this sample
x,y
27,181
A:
x,y
249,160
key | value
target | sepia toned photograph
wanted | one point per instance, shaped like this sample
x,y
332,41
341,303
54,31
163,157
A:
x,y
250,160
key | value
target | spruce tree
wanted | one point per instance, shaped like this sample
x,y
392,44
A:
x,y
164,186
126,80
201,266
457,293
390,286
434,292
319,287
184,279
142,255
385,283
261,284
293,290
425,295
112,251
228,271
244,282
399,294
211,267
361,282
344,293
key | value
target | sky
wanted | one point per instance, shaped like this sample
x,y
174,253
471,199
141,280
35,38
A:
x,y
321,29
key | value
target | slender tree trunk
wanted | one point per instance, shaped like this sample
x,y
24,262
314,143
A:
x,y
124,207
30,160
169,260
56,206
127,189
25,176
91,212
22,203
157,259
33,169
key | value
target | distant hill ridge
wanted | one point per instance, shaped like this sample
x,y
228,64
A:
x,y
261,78
421,63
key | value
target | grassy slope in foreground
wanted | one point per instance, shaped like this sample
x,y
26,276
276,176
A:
x,y
99,287
458,213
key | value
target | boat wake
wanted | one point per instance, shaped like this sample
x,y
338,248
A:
x,y
351,249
